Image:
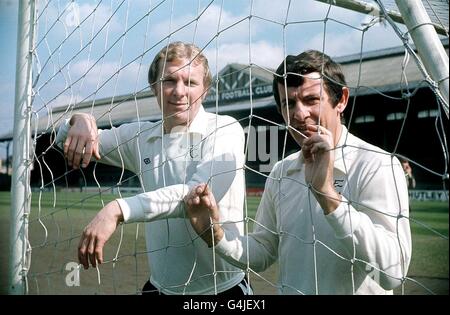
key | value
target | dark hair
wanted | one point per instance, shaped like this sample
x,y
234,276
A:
x,y
174,51
308,62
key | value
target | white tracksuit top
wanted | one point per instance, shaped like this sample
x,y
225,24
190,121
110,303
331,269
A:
x,y
169,165
315,252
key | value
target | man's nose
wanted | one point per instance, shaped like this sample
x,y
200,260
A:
x,y
180,89
300,111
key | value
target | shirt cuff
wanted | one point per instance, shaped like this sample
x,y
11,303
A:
x,y
61,136
225,246
163,203
131,209
344,220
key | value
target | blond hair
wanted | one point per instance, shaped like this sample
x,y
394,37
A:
x,y
174,51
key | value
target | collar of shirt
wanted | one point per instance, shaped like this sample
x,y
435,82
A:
x,y
198,125
297,164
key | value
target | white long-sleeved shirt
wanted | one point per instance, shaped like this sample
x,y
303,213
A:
x,y
212,151
314,251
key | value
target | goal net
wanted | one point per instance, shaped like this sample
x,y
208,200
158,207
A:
x,y
93,57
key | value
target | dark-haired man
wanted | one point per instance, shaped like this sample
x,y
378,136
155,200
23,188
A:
x,y
333,214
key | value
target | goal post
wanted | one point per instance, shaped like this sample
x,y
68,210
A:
x,y
20,184
368,8
428,45
423,31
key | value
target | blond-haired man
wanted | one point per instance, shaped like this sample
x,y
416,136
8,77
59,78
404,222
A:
x,y
187,147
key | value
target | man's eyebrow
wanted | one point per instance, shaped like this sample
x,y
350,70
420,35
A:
x,y
311,95
169,76
192,78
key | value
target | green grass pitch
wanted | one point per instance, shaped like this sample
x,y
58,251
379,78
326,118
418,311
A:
x,y
55,238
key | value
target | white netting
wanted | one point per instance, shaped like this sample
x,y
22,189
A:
x,y
93,57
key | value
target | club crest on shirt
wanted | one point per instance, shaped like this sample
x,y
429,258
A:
x,y
192,152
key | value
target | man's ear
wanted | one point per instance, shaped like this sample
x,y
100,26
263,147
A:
x,y
156,89
344,100
153,88
205,93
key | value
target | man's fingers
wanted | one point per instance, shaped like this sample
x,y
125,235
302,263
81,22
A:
x,y
206,200
319,147
306,151
312,128
316,128
81,142
206,190
195,200
87,154
99,251
199,196
191,201
66,145
200,189
71,150
78,154
96,151
82,247
91,252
